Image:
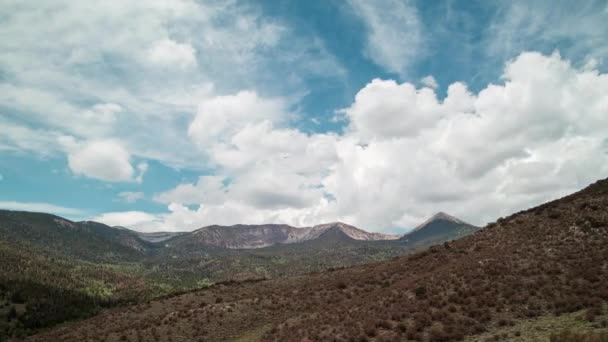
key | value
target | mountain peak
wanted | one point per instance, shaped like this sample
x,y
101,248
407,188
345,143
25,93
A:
x,y
354,232
440,216
440,227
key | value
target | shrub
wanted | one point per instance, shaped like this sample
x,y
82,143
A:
x,y
420,292
553,214
370,331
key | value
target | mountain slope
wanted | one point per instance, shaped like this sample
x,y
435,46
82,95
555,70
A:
x,y
259,236
87,240
333,249
545,261
440,227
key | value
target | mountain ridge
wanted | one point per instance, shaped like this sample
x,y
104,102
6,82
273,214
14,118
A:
x,y
244,236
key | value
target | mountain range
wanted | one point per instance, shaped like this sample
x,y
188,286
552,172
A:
x,y
55,269
539,274
258,236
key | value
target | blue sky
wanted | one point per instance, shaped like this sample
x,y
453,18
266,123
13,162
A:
x,y
172,115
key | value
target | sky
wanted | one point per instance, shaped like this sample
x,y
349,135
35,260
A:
x,y
174,115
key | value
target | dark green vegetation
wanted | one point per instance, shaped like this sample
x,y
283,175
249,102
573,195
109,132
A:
x,y
54,270
548,262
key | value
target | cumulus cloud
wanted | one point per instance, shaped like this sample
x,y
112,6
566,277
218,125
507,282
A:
x,y
385,109
221,117
505,148
208,189
407,154
429,81
106,160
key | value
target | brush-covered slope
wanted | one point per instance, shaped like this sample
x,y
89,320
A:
x,y
83,240
440,227
546,261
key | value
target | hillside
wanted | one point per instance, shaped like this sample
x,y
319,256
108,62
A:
x,y
544,262
333,249
86,240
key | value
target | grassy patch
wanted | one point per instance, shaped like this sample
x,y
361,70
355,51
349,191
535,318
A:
x,y
542,328
254,334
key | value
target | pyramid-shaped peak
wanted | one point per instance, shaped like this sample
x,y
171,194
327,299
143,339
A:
x,y
440,216
443,216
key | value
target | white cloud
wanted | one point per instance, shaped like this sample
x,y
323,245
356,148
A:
x,y
21,138
474,157
171,53
385,109
131,196
264,167
40,207
102,113
579,30
408,154
136,220
220,117
90,87
105,160
429,81
395,38
208,189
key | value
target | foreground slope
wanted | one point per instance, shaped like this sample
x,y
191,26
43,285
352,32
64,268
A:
x,y
549,260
